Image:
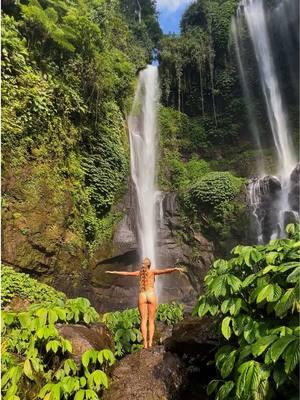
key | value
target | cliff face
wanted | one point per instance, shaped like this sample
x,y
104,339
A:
x,y
37,232
114,292
39,238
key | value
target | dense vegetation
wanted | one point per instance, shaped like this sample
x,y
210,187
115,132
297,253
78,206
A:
x,y
37,361
256,297
125,326
16,284
68,74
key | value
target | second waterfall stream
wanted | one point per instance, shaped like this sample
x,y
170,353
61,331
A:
x,y
143,135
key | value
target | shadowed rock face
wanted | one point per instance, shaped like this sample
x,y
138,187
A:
x,y
113,292
147,375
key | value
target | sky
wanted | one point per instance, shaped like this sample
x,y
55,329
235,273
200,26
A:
x,y
170,12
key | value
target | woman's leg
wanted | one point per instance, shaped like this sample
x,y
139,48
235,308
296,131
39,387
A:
x,y
152,306
144,316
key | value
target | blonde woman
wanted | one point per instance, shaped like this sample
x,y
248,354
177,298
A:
x,y
147,301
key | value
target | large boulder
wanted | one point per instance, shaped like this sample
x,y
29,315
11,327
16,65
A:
x,y
294,194
83,338
193,336
151,374
195,341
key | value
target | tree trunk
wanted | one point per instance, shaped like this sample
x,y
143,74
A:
x,y
211,69
201,87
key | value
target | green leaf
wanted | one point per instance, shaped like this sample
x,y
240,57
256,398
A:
x,y
251,278
100,378
265,293
280,345
28,369
294,276
52,345
55,392
262,344
279,375
291,356
271,257
225,328
212,386
228,365
80,395
251,374
234,283
225,390
218,286
52,317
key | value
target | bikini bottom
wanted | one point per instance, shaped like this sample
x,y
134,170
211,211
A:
x,y
149,295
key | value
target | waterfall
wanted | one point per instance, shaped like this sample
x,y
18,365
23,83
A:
x,y
270,210
142,123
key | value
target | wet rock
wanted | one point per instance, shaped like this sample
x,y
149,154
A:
x,y
272,182
149,374
295,175
83,338
294,194
290,217
193,336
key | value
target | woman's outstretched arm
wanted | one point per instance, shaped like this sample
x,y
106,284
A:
x,y
167,270
124,273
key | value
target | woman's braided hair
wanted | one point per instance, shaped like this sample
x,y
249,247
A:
x,y
144,274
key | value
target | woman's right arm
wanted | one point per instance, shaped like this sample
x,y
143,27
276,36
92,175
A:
x,y
167,271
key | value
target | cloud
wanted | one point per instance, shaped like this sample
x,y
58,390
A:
x,y
172,5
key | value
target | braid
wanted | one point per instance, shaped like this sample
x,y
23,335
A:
x,y
143,277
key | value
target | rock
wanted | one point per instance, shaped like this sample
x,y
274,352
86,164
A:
x,y
195,341
36,234
295,175
273,183
193,336
83,338
151,374
290,217
294,194
17,304
162,332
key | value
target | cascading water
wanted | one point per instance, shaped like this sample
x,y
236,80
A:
x,y
269,197
142,124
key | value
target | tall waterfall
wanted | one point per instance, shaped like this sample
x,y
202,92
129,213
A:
x,y
270,197
142,124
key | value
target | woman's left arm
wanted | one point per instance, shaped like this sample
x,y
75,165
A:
x,y
124,273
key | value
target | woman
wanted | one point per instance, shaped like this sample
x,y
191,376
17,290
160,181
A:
x,y
147,302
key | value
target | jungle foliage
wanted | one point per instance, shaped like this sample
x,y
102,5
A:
x,y
36,360
125,326
17,284
211,201
256,297
198,76
68,73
